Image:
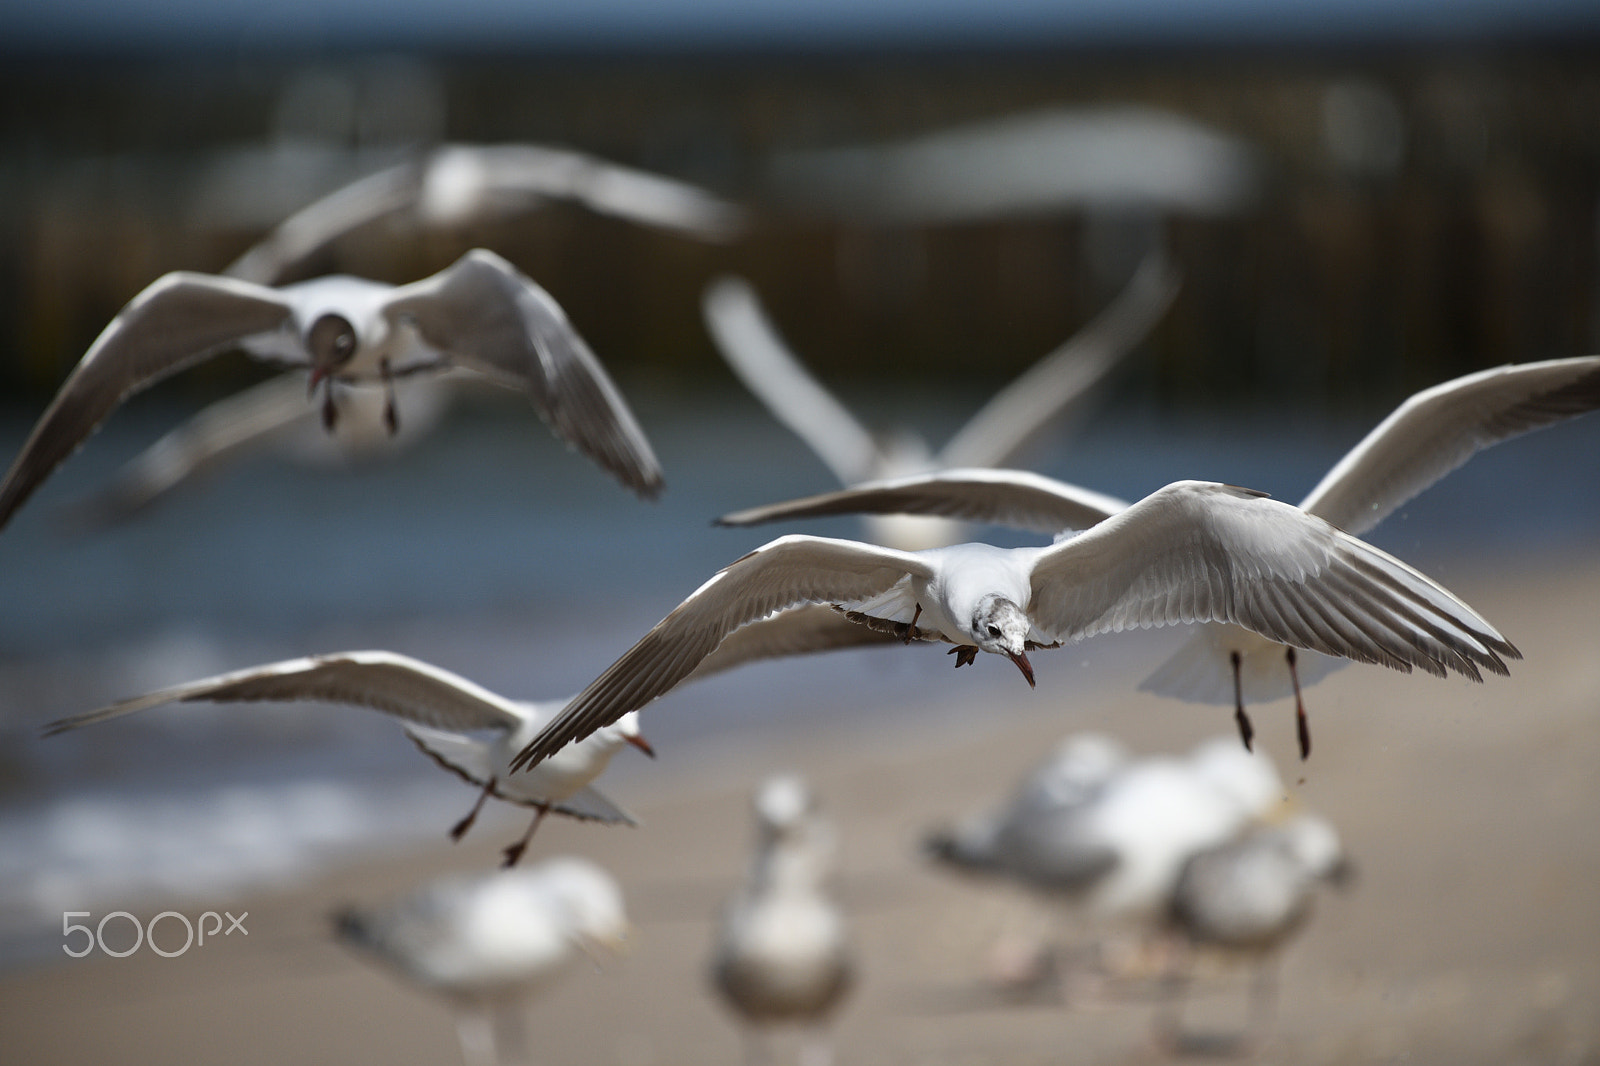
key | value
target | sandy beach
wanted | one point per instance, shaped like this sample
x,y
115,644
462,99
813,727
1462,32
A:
x,y
1471,936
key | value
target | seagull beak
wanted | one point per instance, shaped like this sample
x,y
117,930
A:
x,y
318,373
642,744
1021,659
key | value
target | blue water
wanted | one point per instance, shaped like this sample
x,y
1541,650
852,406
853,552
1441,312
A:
x,y
492,551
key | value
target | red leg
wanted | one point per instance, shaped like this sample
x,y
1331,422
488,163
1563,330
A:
x,y
459,830
1301,722
1247,732
514,852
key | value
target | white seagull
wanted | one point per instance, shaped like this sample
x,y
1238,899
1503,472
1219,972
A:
x,y
1249,897
479,314
443,712
1190,552
1055,387
458,185
782,954
1421,441
489,943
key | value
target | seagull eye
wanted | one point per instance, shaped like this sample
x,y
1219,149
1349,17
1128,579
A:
x,y
994,631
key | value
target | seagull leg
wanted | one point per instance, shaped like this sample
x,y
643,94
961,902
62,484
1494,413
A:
x,y
912,628
1301,723
391,414
1247,732
966,654
330,411
459,830
514,852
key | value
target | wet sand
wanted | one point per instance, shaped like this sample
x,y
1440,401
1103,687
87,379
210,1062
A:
x,y
1471,936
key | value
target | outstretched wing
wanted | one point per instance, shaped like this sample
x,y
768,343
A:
x,y
1061,383
179,320
755,352
471,760
394,684
1440,428
1012,498
1203,552
783,573
487,316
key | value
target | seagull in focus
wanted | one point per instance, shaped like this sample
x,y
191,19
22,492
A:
x,y
463,727
1109,835
455,186
490,943
1249,897
1425,438
782,955
479,314
1057,386
1190,552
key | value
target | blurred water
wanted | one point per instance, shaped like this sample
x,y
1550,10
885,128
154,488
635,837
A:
x,y
490,551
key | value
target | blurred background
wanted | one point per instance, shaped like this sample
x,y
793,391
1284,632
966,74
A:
x,y
1364,199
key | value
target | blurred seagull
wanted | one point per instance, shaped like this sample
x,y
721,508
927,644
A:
x,y
1056,386
782,955
1190,552
480,314
1111,835
443,711
488,944
457,185
1250,896
1425,438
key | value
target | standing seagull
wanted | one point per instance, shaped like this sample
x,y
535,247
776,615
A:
x,y
1190,552
480,314
782,955
1057,385
444,711
1249,897
487,944
1421,441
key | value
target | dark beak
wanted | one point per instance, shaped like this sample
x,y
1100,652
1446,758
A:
x,y
642,744
1021,659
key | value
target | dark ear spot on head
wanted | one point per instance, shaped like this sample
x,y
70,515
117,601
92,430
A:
x,y
332,341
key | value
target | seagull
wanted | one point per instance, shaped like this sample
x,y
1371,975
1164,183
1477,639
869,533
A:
x,y
1192,551
782,955
1425,438
479,313
454,186
1108,834
1056,386
443,712
489,943
1249,896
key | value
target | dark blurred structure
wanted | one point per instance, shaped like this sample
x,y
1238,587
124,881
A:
x,y
1421,212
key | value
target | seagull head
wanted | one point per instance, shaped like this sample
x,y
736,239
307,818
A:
x,y
626,729
1001,627
332,342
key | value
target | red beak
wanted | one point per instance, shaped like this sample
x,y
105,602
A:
x,y
318,373
642,744
1021,659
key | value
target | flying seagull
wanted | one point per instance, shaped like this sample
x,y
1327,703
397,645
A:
x,y
1055,387
480,314
1426,437
1190,552
462,726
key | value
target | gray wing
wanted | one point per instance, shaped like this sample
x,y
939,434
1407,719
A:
x,y
1012,498
179,320
486,316
783,573
754,351
297,240
530,171
1202,552
803,630
1440,428
210,438
381,680
1061,384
